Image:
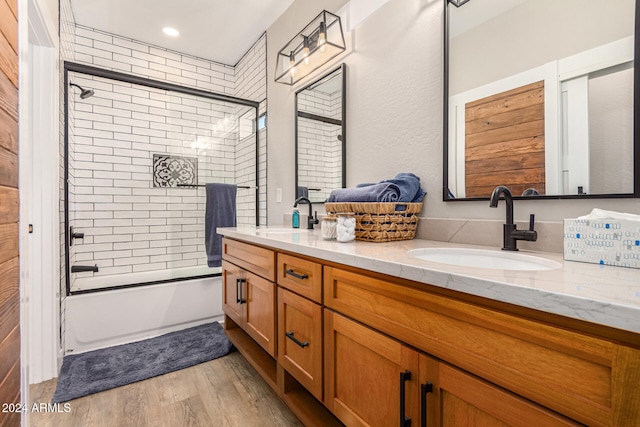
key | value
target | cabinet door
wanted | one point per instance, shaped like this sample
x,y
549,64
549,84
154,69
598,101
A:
x,y
232,292
260,311
370,379
300,340
461,399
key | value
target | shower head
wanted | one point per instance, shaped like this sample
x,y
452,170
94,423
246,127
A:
x,y
84,93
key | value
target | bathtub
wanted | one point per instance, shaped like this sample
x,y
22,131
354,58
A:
x,y
102,319
90,281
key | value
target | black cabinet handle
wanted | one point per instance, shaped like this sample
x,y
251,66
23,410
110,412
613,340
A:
x,y
424,390
294,274
239,283
295,340
404,420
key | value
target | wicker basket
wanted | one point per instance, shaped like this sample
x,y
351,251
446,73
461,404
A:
x,y
381,222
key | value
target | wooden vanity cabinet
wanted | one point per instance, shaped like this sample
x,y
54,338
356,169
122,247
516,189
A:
x,y
371,349
582,377
249,294
374,380
278,331
249,300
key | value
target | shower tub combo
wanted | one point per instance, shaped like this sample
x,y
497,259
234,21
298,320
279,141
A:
x,y
137,154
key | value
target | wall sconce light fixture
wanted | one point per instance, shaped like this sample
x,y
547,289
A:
x,y
319,42
458,3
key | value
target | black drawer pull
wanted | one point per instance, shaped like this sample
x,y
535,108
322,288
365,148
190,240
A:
x,y
239,299
424,390
404,420
294,274
295,340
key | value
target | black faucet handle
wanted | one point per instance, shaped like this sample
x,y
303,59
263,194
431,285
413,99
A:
x,y
315,217
532,220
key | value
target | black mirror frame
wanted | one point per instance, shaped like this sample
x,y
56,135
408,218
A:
x,y
636,124
343,68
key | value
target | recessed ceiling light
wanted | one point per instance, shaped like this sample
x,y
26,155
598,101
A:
x,y
171,31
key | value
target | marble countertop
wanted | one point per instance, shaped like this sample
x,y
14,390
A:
x,y
599,294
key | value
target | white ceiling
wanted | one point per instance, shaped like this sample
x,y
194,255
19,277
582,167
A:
x,y
219,30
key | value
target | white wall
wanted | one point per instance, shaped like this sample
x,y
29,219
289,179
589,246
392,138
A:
x,y
611,132
484,54
394,111
280,120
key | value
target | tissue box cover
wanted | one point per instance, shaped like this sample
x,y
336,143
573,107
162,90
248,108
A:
x,y
602,241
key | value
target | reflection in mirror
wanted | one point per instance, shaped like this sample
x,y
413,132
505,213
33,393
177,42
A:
x,y
320,136
540,98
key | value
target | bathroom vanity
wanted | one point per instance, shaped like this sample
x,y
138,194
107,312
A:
x,y
367,334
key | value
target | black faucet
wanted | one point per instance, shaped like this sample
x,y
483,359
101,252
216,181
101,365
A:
x,y
311,219
511,234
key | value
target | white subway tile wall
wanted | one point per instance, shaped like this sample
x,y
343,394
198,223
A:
x,y
319,149
251,83
143,228
130,226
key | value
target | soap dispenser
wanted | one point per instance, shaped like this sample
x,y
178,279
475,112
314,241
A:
x,y
295,218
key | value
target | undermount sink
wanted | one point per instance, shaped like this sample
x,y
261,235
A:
x,y
484,259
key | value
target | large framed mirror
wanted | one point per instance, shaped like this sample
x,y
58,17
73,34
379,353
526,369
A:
x,y
320,129
539,96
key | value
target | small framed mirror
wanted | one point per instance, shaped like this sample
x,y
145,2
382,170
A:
x,y
320,136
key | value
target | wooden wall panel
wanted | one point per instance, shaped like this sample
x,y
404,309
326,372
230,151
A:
x,y
8,96
9,261
8,385
9,25
8,132
8,168
10,345
9,313
8,291
8,57
504,141
8,242
9,205
13,5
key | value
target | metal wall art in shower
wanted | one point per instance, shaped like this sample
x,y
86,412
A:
x,y
169,171
315,45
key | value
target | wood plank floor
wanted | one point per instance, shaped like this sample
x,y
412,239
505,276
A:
x,y
223,392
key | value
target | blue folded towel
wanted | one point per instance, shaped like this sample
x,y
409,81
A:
x,y
409,185
382,192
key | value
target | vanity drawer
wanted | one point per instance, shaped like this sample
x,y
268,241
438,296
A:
x,y
300,276
258,260
574,374
300,340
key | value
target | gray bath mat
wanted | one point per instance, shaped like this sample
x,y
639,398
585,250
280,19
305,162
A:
x,y
99,370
